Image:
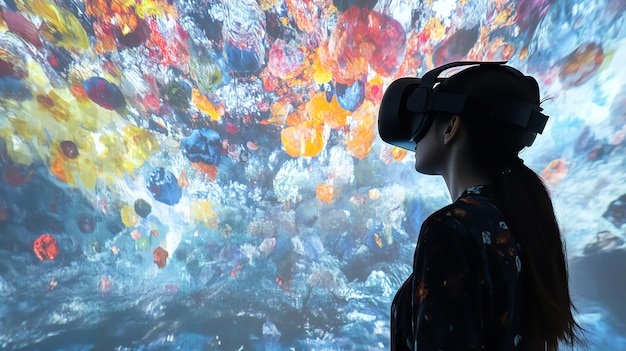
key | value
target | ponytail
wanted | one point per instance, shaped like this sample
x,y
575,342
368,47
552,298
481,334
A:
x,y
527,208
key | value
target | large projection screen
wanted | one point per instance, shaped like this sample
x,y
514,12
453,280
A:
x,y
207,175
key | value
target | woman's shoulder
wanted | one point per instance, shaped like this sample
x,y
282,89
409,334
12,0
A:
x,y
446,223
467,214
462,210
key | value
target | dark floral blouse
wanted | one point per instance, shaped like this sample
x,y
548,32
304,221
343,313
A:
x,y
464,292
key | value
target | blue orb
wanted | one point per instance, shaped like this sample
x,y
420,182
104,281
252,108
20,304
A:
x,y
350,97
203,145
164,186
241,60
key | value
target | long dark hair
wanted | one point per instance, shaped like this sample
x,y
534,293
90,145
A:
x,y
526,206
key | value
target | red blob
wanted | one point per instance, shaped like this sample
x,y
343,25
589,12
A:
x,y
6,68
46,247
390,39
285,59
528,13
160,257
579,66
230,128
17,175
364,37
151,103
20,25
136,37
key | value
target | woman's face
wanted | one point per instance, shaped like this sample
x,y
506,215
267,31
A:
x,y
429,151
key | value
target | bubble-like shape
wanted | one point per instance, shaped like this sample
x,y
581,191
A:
x,y
46,247
70,150
350,97
142,207
103,93
164,186
203,145
177,94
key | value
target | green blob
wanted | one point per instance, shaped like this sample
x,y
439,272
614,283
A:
x,y
206,73
143,243
177,94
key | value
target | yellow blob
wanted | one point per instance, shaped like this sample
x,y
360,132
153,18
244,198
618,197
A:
x,y
266,4
379,241
88,173
57,105
19,151
129,216
202,211
523,54
321,74
398,153
206,106
435,28
37,78
154,8
27,127
307,139
93,117
140,145
60,26
374,194
330,113
361,134
279,111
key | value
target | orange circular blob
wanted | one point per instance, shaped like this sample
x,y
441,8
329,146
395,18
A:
x,y
398,153
160,257
326,192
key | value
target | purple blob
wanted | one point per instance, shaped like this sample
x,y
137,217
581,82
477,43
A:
x,y
230,253
70,150
103,93
134,38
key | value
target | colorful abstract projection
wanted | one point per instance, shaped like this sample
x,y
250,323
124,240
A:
x,y
172,171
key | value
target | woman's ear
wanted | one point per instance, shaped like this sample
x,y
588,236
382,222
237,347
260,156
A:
x,y
452,130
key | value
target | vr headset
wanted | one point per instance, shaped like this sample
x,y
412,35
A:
x,y
404,116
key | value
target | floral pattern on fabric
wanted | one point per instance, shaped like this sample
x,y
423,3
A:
x,y
464,292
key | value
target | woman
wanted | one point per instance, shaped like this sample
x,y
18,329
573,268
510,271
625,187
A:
x,y
489,270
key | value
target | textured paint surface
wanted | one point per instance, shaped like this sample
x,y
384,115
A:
x,y
208,174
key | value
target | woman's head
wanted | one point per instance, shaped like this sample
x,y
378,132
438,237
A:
x,y
492,90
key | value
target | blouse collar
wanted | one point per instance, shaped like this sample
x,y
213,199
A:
x,y
479,190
